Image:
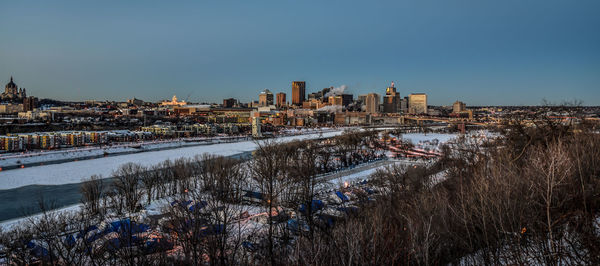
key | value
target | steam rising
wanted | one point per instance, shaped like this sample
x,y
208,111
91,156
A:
x,y
336,91
331,108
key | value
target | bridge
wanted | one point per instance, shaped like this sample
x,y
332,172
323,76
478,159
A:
x,y
449,120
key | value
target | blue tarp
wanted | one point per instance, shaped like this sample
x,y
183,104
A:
x,y
126,226
198,205
295,226
70,240
84,232
118,243
249,246
369,191
39,252
36,250
255,195
341,196
327,219
315,206
292,225
184,204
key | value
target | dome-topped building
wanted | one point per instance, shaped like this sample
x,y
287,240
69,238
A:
x,y
13,92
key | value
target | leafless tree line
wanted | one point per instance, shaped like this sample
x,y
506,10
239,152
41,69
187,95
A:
x,y
530,197
216,231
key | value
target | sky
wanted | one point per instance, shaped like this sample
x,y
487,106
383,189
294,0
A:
x,y
509,52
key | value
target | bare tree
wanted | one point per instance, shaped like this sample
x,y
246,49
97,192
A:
x,y
91,192
267,172
127,185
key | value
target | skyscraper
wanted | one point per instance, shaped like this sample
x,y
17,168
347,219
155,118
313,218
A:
x,y
372,103
404,104
391,100
265,98
281,99
417,103
458,107
298,92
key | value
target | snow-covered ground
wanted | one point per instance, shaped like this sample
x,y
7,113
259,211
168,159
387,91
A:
x,y
43,156
416,138
352,177
82,152
75,172
157,205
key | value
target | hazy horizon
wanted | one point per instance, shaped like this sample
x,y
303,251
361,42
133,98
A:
x,y
483,53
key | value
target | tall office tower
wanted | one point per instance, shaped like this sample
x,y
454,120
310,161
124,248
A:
x,y
391,100
298,92
404,105
458,107
265,98
347,99
335,100
372,103
362,99
417,103
280,99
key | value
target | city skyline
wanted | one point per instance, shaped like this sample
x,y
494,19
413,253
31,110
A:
x,y
508,53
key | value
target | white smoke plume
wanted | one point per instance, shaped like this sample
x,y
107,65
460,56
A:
x,y
336,91
331,108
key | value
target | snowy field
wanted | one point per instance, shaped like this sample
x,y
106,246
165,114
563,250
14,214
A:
x,y
75,172
416,138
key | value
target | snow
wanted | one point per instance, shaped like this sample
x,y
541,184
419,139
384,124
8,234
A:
x,y
364,174
416,138
8,224
75,153
75,172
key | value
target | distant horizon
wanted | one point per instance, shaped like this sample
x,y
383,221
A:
x,y
509,53
288,93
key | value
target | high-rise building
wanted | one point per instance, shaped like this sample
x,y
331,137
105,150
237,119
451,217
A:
x,y
362,99
347,99
391,100
417,103
336,100
228,103
29,103
343,99
281,99
320,95
265,98
458,107
404,105
298,92
372,103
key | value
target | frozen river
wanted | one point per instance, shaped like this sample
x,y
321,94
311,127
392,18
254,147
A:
x,y
58,184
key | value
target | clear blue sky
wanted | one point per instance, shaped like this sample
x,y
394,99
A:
x,y
509,52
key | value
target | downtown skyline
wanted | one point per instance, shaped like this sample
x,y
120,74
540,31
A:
x,y
508,53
